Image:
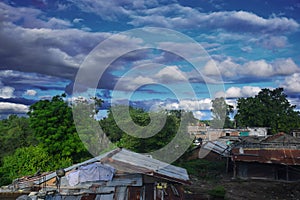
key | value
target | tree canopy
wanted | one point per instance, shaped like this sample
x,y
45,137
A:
x,y
28,161
48,138
135,140
53,125
15,132
269,108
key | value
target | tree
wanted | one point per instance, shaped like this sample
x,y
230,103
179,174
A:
x,y
15,133
143,131
138,143
270,108
221,112
91,134
27,161
53,125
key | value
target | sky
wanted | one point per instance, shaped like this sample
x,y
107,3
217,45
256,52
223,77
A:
x,y
167,54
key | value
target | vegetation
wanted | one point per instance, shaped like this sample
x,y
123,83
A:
x,y
47,139
28,161
15,132
142,139
270,108
54,128
218,192
204,169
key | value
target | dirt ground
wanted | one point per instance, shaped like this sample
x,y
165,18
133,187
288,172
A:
x,y
245,189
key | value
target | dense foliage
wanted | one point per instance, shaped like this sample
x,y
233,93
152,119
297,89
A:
x,y
135,140
270,108
47,139
53,125
15,132
28,161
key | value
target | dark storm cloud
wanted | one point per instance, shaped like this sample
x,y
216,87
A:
x,y
21,81
22,101
42,47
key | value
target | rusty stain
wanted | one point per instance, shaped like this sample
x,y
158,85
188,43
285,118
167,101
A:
x,y
276,156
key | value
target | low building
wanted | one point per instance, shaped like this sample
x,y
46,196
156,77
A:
x,y
276,157
197,130
118,174
211,134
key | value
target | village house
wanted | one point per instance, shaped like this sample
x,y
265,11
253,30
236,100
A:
x,y
205,133
276,157
119,174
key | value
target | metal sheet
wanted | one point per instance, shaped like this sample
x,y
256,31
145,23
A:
x,y
276,156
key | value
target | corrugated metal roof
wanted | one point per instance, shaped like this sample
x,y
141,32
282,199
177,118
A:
x,y
275,156
151,165
220,147
130,162
281,138
278,149
53,174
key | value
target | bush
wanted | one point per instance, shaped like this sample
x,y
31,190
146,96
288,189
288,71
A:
x,y
27,161
202,168
218,191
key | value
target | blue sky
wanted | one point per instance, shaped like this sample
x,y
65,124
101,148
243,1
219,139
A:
x,y
249,44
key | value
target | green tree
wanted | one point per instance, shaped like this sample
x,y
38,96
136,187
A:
x,y
160,128
270,108
221,111
15,133
138,143
27,161
53,125
91,134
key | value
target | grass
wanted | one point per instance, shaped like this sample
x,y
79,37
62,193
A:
x,y
218,191
203,169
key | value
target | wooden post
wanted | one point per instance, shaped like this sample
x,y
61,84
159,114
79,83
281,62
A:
x,y
234,169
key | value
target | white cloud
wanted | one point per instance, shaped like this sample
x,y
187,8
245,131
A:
x,y
292,83
170,74
236,92
77,20
173,15
177,16
165,75
117,9
30,92
133,83
226,68
187,105
274,42
256,68
211,68
199,115
196,106
7,92
285,66
247,49
31,17
6,107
